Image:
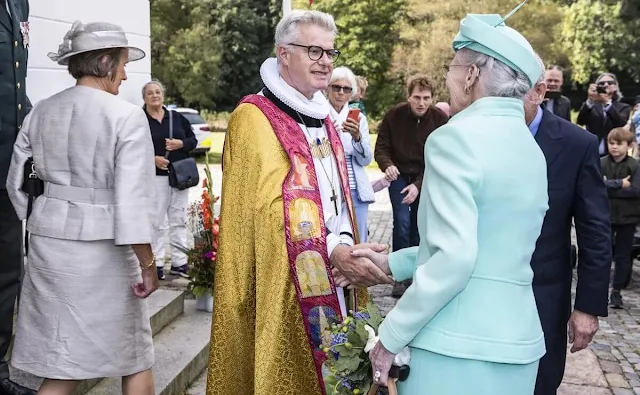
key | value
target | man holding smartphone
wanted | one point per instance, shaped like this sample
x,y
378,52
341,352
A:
x,y
603,110
554,101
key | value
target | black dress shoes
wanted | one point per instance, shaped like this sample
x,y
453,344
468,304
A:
x,y
8,387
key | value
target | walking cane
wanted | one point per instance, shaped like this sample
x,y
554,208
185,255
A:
x,y
397,373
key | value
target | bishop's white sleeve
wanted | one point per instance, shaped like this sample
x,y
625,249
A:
x,y
345,234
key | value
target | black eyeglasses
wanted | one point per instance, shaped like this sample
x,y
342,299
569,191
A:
x,y
447,67
338,88
315,52
605,83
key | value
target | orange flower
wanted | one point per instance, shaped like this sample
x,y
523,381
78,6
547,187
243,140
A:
x,y
215,229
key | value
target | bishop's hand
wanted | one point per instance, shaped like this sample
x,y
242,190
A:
x,y
357,271
375,256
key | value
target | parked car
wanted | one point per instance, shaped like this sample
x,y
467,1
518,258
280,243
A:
x,y
200,129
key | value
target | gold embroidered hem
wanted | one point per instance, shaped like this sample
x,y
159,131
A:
x,y
258,341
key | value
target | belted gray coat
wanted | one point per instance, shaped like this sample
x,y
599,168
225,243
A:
x,y
94,153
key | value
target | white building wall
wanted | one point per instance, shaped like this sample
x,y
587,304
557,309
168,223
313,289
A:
x,y
51,19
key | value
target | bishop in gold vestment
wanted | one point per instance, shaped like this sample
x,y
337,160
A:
x,y
284,212
258,344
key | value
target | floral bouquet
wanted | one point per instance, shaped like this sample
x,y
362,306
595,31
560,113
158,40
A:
x,y
347,346
205,228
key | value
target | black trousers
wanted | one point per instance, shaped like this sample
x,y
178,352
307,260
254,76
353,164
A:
x,y
554,308
622,238
10,272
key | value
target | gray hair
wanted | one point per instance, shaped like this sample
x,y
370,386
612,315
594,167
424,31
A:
x,y
152,82
345,73
530,98
498,79
542,77
287,30
618,94
556,67
101,63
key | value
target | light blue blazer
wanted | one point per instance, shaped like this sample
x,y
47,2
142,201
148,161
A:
x,y
481,210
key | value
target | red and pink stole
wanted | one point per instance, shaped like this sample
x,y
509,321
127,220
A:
x,y
305,232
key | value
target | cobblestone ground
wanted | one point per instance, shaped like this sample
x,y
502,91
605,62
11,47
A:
x,y
617,344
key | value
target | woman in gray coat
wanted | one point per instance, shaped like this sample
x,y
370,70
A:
x,y
82,312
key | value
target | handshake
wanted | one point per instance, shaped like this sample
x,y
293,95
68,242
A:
x,y
362,265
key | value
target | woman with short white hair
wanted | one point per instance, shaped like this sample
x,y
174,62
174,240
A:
x,y
470,317
354,133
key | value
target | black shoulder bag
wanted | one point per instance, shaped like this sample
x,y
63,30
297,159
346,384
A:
x,y
183,173
33,187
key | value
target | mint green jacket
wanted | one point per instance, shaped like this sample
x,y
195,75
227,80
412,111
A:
x,y
481,210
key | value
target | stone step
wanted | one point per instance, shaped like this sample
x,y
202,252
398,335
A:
x,y
181,353
199,387
164,306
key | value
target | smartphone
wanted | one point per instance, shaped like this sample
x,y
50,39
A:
x,y
601,89
552,95
354,114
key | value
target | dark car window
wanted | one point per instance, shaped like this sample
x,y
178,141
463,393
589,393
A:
x,y
194,119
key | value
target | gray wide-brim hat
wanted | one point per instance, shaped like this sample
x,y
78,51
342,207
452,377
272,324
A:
x,y
91,37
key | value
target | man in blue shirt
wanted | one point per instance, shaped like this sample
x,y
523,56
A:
x,y
576,192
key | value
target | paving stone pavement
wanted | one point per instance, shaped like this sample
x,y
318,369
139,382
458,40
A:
x,y
611,365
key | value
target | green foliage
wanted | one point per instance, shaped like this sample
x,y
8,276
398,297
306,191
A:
x,y
428,30
596,40
208,52
367,33
185,51
344,344
245,28
205,228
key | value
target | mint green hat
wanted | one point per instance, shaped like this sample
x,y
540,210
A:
x,y
488,34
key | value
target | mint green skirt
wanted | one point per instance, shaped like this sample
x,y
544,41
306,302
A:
x,y
436,374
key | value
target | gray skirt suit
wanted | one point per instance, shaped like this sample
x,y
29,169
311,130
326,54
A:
x,y
78,317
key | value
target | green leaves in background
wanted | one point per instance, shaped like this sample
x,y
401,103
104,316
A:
x,y
368,32
208,52
596,39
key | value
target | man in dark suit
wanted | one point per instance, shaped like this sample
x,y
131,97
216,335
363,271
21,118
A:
x,y
576,191
554,101
603,110
14,105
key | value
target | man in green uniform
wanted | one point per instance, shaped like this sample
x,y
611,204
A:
x,y
14,106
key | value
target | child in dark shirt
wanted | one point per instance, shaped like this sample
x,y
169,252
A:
x,y
622,178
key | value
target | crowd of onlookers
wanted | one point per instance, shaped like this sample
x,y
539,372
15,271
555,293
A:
x,y
402,133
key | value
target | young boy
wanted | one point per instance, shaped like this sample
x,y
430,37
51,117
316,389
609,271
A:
x,y
622,178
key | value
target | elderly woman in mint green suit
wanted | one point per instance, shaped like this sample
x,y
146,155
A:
x,y
470,317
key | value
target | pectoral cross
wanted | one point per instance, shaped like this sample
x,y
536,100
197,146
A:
x,y
334,199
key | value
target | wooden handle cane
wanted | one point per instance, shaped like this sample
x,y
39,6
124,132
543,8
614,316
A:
x,y
396,373
391,387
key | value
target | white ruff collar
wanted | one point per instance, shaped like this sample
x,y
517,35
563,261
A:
x,y
317,107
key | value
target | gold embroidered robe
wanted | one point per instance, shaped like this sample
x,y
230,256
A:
x,y
258,342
